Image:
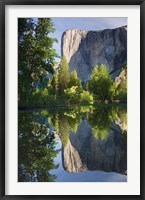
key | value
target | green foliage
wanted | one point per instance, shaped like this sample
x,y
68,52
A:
x,y
122,87
36,60
36,142
75,81
100,133
121,118
35,55
104,88
113,90
63,76
40,97
65,120
119,90
72,93
100,83
64,130
100,117
86,97
36,149
60,125
100,120
54,83
103,115
74,117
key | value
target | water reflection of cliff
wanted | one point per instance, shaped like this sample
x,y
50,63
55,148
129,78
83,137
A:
x,y
84,152
93,138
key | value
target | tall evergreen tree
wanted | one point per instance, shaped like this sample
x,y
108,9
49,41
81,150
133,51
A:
x,y
55,83
63,75
74,81
35,54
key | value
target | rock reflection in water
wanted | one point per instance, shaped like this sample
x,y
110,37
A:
x,y
84,152
93,139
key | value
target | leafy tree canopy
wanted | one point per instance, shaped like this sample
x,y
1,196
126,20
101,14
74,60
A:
x,y
36,55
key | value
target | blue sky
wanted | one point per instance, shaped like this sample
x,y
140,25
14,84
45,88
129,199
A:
x,y
91,23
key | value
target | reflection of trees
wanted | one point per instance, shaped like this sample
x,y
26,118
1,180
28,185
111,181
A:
x,y
35,149
65,120
121,119
102,117
36,137
100,121
59,124
74,118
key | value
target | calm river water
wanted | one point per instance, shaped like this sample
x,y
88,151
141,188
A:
x,y
73,144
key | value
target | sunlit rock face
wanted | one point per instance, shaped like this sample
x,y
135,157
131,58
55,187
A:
x,y
84,49
84,152
71,159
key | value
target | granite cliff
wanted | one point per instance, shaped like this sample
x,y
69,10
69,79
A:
x,y
84,49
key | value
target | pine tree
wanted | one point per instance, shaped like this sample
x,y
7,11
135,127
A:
x,y
55,83
35,54
75,81
63,75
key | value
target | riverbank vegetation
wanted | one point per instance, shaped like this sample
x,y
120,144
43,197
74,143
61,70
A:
x,y
40,84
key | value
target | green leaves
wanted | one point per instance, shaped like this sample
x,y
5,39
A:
x,y
35,55
104,88
100,83
36,58
63,76
36,149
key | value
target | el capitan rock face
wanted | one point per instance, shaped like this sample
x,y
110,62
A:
x,y
84,49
